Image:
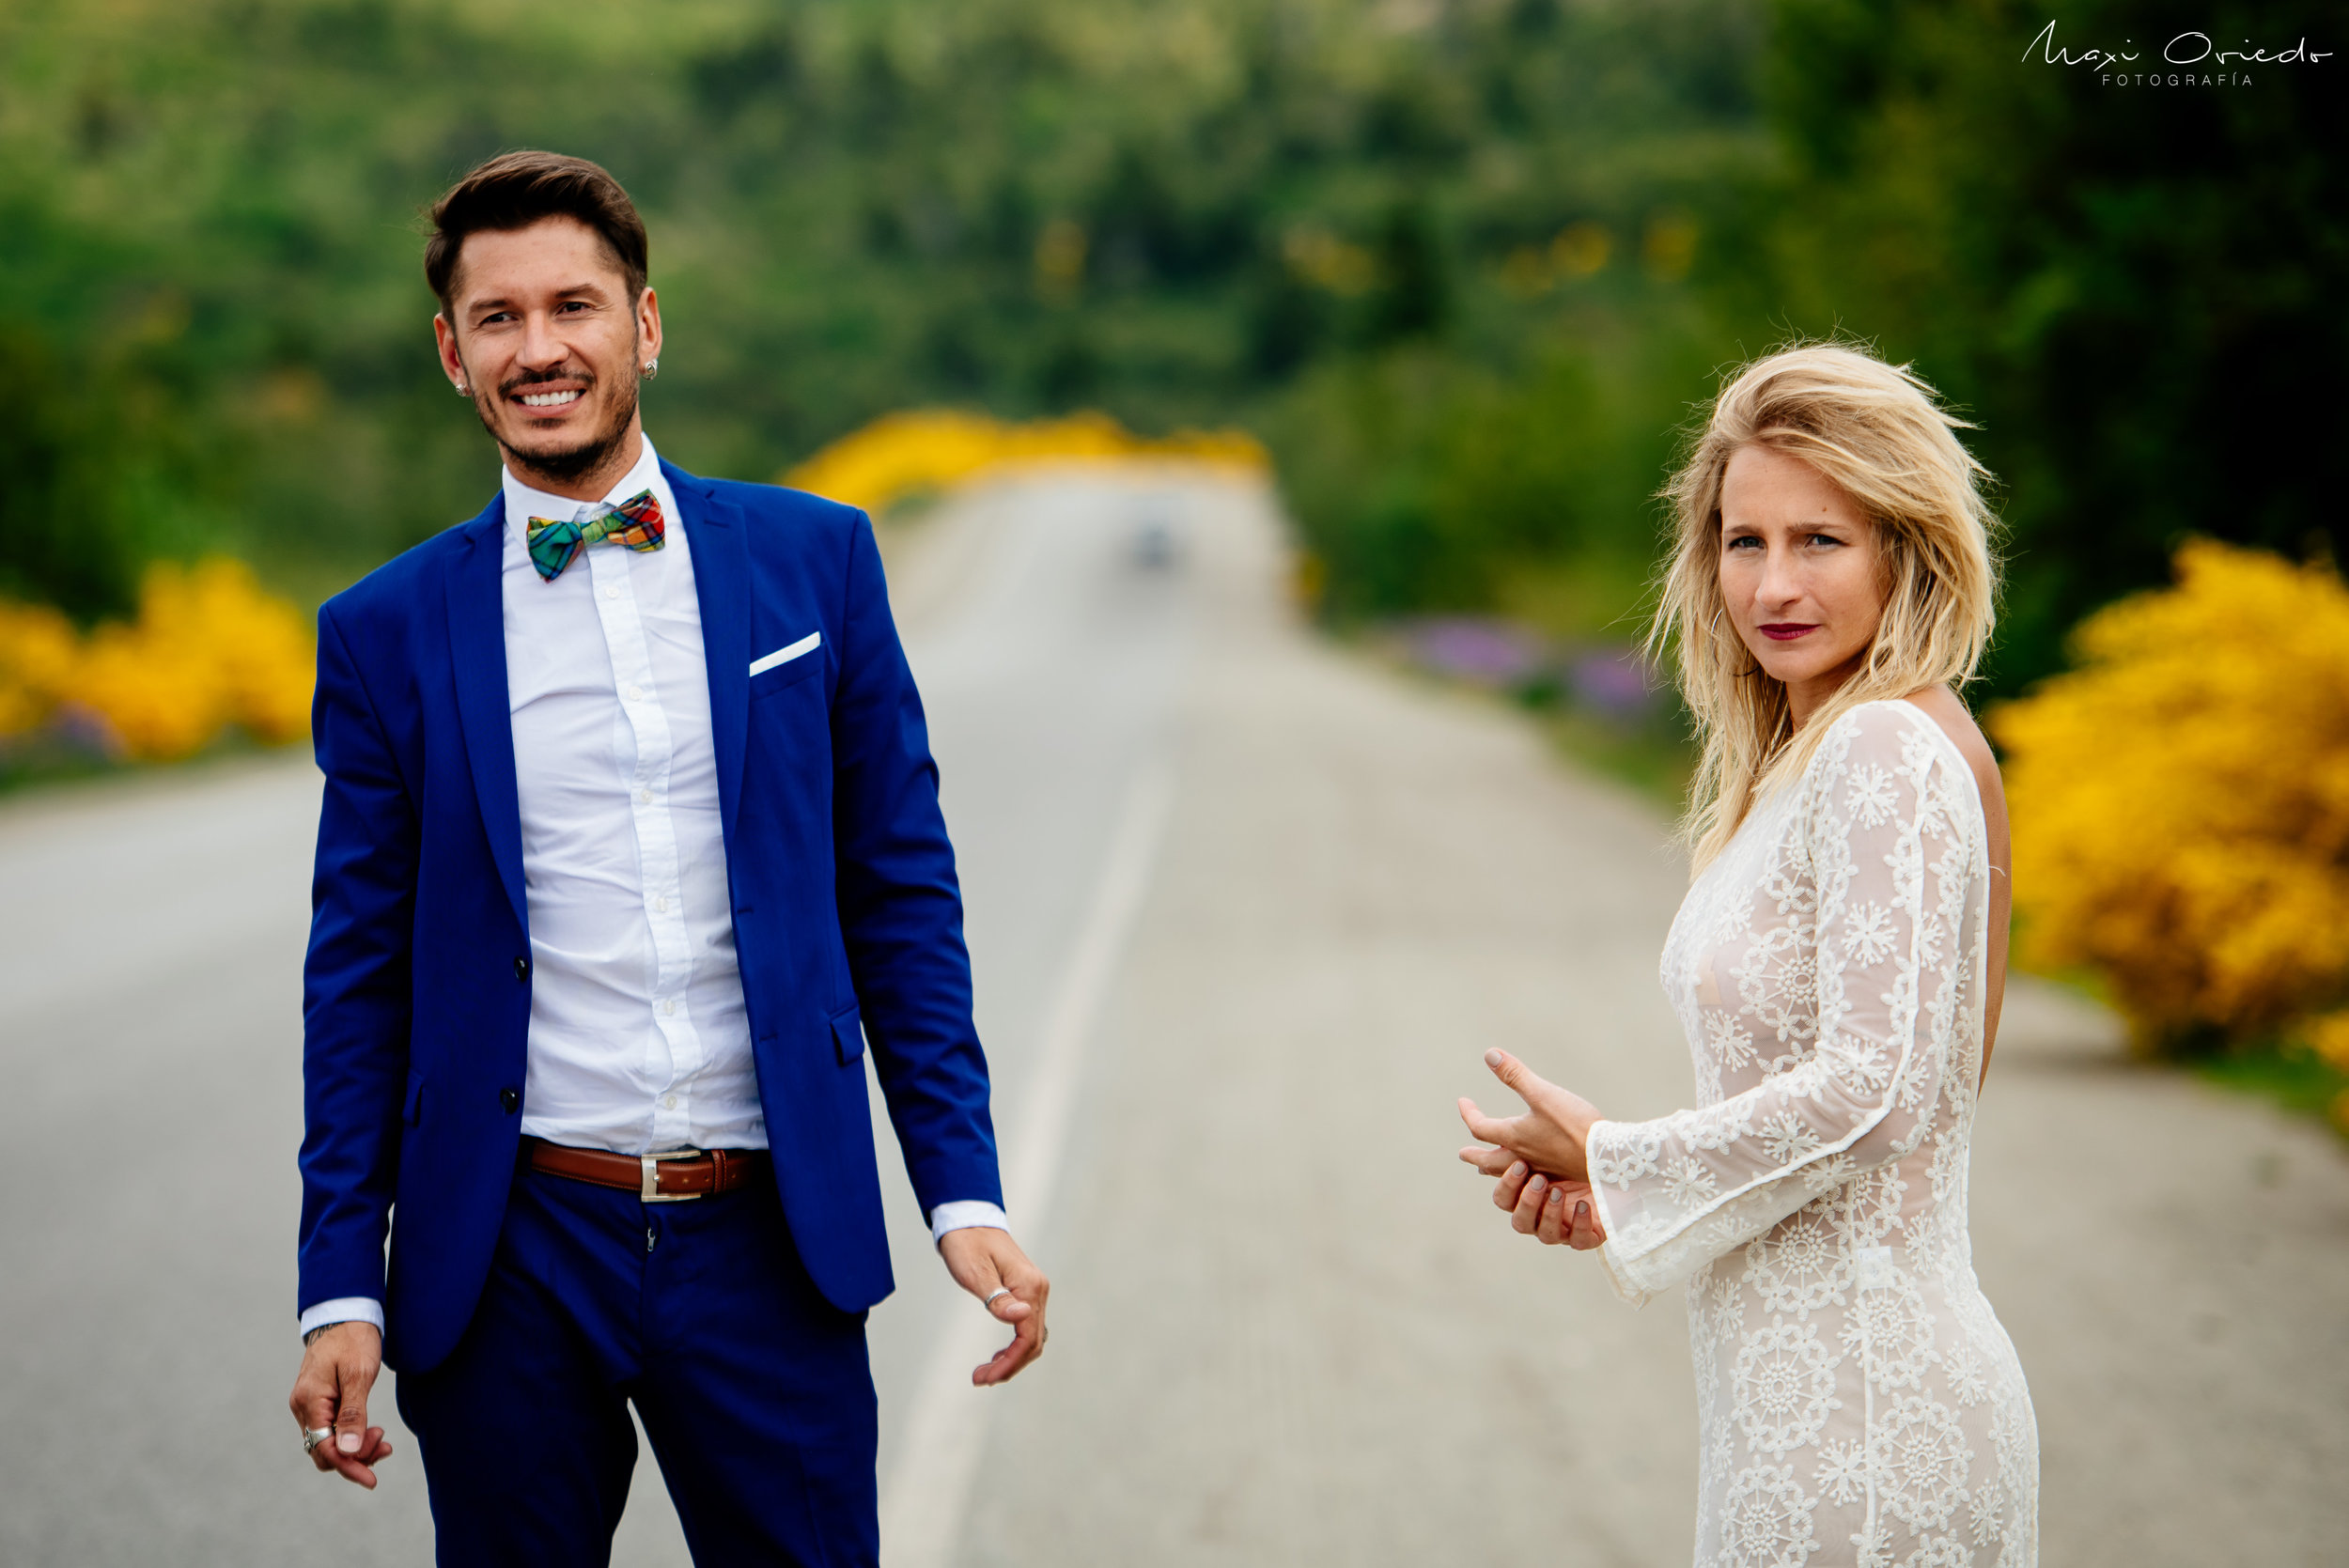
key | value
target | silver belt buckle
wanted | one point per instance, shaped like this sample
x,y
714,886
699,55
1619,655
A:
x,y
651,1193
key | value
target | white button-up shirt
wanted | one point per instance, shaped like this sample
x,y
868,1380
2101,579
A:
x,y
639,1035
639,1039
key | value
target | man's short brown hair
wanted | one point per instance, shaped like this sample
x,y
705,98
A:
x,y
515,190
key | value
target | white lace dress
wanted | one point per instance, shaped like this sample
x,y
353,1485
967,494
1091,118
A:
x,y
1858,1402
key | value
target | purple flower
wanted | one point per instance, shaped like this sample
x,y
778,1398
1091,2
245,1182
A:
x,y
1483,652
1614,682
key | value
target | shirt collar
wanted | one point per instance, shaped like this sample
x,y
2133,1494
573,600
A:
x,y
522,502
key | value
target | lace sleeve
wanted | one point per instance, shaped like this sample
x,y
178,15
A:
x,y
1887,847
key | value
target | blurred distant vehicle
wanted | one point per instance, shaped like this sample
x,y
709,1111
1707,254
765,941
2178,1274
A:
x,y
1154,547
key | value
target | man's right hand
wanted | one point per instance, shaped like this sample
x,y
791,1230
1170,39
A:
x,y
339,1365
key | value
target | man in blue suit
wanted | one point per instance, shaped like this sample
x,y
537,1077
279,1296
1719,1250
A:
x,y
630,847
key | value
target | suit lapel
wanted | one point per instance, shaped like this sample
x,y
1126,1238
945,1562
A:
x,y
476,639
721,583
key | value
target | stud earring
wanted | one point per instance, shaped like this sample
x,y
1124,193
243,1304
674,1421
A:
x,y
652,368
463,391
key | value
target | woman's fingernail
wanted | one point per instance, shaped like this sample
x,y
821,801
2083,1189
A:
x,y
1557,1196
1582,1211
1493,1057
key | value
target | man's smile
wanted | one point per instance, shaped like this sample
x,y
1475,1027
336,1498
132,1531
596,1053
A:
x,y
551,400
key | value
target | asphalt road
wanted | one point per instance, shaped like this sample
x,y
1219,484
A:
x,y
1245,911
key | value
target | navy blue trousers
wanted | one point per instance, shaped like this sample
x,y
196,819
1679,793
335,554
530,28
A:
x,y
754,1390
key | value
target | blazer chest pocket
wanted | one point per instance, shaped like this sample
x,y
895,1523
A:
x,y
787,665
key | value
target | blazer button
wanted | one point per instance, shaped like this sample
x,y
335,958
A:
x,y
510,1099
521,969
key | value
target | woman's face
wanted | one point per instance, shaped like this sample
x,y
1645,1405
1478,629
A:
x,y
1801,573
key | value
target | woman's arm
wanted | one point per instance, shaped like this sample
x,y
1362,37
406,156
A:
x,y
1942,707
1888,830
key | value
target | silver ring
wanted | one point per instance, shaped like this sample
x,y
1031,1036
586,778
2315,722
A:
x,y
1000,1292
313,1435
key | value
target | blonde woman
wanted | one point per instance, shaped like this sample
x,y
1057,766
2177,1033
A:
x,y
1837,967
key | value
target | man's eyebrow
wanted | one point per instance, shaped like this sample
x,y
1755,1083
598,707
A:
x,y
498,301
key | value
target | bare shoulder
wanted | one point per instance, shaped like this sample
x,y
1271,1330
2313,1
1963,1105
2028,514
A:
x,y
1940,705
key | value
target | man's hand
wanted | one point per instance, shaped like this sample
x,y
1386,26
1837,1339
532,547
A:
x,y
1549,1137
983,1260
339,1365
1560,1212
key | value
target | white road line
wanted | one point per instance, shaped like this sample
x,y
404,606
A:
x,y
929,1488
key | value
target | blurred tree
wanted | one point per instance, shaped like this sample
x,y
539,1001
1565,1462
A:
x,y
1411,299
67,545
1467,264
2134,287
854,208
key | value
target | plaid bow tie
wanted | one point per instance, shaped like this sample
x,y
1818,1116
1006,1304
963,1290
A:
x,y
635,523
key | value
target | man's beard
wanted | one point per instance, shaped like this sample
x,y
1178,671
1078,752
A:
x,y
571,462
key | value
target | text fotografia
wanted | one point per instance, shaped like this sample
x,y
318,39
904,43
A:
x,y
2187,60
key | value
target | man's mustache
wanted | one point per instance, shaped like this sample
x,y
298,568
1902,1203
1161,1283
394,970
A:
x,y
539,377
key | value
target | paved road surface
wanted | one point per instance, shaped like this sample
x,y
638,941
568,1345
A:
x,y
1245,912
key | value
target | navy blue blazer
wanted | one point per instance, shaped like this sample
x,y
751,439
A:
x,y
847,919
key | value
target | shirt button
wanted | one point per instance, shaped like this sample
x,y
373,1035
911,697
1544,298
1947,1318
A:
x,y
668,1102
660,906
510,1099
644,797
521,969
635,693
612,592
669,1009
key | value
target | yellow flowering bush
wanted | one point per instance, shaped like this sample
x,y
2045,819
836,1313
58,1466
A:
x,y
209,649
2328,1037
38,651
2181,801
931,450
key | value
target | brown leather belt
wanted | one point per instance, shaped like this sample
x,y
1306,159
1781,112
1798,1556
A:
x,y
671,1178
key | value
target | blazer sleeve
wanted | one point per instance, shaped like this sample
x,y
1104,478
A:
x,y
1890,844
900,904
356,999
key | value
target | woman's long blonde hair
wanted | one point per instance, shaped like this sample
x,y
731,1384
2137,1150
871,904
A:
x,y
1878,433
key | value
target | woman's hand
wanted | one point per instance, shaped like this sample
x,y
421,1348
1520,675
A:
x,y
1558,1212
1550,1135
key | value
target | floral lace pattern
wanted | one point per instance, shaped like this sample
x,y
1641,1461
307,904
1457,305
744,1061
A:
x,y
1858,1402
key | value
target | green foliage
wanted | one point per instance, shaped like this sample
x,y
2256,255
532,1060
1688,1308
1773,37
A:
x,y
1423,480
49,449
2135,289
1171,209
2293,1076
1516,434
1465,264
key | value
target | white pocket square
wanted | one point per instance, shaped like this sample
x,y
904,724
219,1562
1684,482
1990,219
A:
x,y
808,643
